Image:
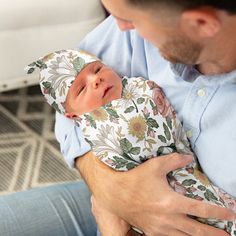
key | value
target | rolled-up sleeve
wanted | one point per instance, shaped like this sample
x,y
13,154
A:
x,y
70,137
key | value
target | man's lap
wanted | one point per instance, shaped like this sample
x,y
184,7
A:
x,y
60,210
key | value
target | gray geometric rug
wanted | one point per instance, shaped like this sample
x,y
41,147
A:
x,y
29,152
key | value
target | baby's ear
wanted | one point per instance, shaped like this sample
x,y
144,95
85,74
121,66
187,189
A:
x,y
70,115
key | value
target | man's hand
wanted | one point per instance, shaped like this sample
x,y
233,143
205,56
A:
x,y
143,197
108,223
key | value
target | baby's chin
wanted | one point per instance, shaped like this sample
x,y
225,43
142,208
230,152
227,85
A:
x,y
111,99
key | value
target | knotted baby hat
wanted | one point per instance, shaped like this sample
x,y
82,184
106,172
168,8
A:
x,y
58,71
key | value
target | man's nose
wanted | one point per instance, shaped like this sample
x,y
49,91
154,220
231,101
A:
x,y
124,25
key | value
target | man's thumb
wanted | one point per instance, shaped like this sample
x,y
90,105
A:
x,y
174,161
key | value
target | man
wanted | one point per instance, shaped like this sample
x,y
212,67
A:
x,y
190,33
199,41
193,34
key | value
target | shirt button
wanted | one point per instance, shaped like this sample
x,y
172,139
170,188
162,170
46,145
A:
x,y
189,133
201,93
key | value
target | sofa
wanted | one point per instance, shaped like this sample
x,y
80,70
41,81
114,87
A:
x,y
30,29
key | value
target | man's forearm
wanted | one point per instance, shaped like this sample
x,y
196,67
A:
x,y
94,172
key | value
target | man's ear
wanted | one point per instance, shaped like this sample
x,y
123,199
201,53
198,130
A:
x,y
201,23
70,115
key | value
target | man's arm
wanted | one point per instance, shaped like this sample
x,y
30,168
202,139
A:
x,y
143,197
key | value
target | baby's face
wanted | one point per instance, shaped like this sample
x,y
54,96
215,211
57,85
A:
x,y
95,85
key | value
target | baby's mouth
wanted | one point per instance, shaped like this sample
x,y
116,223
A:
x,y
106,91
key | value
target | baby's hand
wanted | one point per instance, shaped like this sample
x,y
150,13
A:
x,y
108,223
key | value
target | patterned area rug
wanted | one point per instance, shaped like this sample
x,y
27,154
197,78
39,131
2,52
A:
x,y
29,152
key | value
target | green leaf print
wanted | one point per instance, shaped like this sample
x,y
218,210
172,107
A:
x,y
40,64
169,122
129,109
91,121
125,145
229,226
112,112
131,165
209,195
166,131
140,100
173,147
190,195
124,82
189,182
32,64
135,150
162,138
78,64
46,84
53,93
30,71
201,187
152,104
55,106
160,151
107,105
120,162
126,156
152,123
89,142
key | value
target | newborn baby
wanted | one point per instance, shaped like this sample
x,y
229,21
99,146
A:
x,y
125,120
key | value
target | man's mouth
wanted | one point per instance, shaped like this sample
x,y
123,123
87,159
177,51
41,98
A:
x,y
106,91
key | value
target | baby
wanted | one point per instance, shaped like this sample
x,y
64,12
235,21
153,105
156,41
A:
x,y
126,121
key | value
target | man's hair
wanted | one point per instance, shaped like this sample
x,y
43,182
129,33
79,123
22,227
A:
x,y
227,5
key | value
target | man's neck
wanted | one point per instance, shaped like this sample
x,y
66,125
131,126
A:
x,y
217,67
219,55
218,58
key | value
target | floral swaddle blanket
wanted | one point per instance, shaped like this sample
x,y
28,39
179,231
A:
x,y
141,125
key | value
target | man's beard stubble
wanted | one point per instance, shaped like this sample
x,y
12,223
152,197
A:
x,y
180,49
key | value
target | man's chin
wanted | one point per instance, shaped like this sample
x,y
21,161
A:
x,y
171,59
175,60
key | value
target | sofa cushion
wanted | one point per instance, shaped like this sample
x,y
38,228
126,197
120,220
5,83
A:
x,y
30,29
23,14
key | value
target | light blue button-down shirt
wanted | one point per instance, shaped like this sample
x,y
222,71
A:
x,y
205,104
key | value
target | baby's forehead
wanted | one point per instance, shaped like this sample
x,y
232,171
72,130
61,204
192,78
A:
x,y
88,68
94,63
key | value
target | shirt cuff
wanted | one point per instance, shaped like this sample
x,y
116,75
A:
x,y
70,137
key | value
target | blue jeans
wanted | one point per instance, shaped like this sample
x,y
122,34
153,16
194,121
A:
x,y
58,210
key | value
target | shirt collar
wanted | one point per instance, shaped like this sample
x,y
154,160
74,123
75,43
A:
x,y
190,73
186,72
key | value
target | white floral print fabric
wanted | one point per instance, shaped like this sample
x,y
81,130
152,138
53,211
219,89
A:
x,y
58,71
142,125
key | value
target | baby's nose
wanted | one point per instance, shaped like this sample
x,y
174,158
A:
x,y
96,81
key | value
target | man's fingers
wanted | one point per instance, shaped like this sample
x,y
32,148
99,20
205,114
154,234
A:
x,y
176,233
173,161
195,228
188,226
167,231
201,209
